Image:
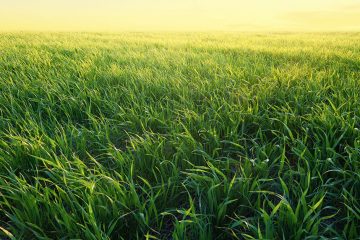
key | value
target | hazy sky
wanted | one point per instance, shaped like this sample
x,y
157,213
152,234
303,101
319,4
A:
x,y
179,15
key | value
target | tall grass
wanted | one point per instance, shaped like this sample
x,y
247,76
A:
x,y
179,136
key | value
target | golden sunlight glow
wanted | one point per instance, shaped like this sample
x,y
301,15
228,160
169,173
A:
x,y
179,15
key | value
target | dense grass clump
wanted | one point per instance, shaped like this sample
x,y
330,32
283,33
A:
x,y
179,136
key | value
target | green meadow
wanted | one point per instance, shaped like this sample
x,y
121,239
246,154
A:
x,y
179,136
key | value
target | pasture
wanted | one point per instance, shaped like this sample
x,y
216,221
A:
x,y
179,136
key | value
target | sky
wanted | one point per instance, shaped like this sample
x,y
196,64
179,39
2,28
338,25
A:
x,y
179,15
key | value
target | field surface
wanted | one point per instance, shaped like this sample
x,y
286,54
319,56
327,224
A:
x,y
179,136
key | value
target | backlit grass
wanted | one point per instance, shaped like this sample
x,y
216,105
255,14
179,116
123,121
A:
x,y
179,136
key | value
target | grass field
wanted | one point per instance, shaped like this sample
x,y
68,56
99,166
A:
x,y
179,136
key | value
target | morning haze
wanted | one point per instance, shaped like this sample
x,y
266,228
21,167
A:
x,y
179,15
